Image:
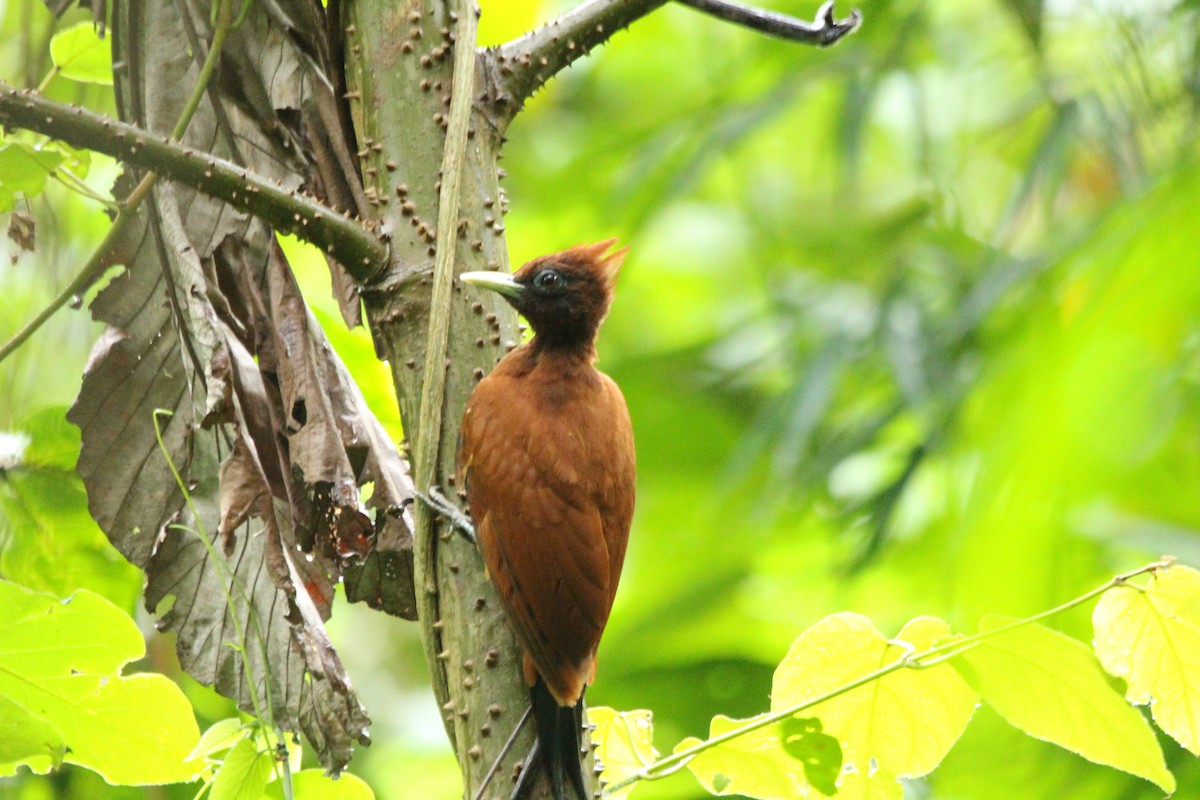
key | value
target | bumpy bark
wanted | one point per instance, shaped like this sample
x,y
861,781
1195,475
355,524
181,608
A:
x,y
399,76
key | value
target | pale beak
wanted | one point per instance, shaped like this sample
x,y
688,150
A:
x,y
500,282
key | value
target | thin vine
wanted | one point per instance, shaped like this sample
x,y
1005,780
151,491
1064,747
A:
x,y
229,582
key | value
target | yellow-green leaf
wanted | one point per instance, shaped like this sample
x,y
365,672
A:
x,y
82,55
27,741
624,742
1052,687
243,774
903,723
24,170
869,785
503,20
753,765
314,784
1151,638
61,662
804,740
220,737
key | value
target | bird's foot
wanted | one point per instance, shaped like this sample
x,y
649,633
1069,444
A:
x,y
442,506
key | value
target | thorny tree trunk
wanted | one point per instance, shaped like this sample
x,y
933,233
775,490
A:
x,y
399,76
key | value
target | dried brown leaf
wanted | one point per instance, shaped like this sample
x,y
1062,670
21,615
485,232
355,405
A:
x,y
268,431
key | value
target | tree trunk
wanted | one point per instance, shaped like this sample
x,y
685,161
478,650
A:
x,y
399,73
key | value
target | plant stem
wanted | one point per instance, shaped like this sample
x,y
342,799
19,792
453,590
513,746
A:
x,y
74,183
82,281
206,72
973,639
432,401
228,578
41,87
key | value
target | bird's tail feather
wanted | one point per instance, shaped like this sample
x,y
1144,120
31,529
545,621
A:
x,y
560,732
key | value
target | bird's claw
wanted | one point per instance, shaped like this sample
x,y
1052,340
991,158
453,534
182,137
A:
x,y
442,506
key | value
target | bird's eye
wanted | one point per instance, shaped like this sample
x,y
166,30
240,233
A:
x,y
548,280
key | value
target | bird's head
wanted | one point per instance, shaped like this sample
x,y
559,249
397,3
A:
x,y
565,296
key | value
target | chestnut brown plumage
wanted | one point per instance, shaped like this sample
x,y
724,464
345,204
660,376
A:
x,y
547,457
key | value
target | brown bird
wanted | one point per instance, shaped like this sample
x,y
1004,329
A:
x,y
547,458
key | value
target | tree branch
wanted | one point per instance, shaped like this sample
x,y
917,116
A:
x,y
86,277
362,253
526,63
521,67
823,31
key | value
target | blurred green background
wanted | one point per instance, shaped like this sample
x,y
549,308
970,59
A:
x,y
909,326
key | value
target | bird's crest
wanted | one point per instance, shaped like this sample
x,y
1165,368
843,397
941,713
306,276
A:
x,y
594,255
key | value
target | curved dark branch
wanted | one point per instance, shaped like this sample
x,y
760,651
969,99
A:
x,y
363,254
519,68
823,31
523,65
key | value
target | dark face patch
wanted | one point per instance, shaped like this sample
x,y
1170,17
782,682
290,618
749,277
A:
x,y
565,298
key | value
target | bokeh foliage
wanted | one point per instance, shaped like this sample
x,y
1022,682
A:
x,y
908,327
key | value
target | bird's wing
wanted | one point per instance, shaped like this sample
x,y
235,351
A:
x,y
616,497
542,533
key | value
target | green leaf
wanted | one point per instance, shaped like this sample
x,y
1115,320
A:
x,y
220,737
819,752
1052,687
78,160
24,170
753,765
52,544
82,55
899,725
877,785
53,442
61,661
313,784
50,541
26,740
244,773
904,722
624,742
503,20
1151,638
